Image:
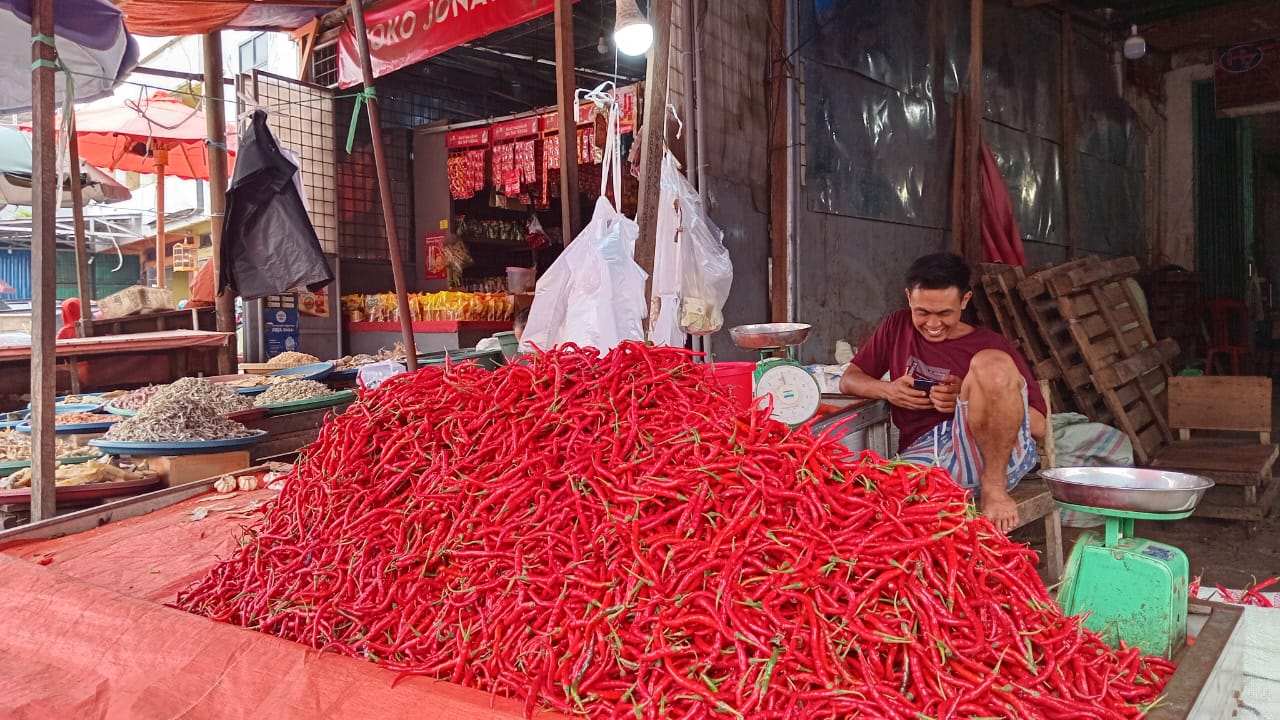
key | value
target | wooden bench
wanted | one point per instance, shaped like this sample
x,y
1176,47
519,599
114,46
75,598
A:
x,y
1036,504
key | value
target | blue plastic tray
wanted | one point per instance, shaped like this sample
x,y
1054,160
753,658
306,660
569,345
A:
x,y
310,371
187,447
73,428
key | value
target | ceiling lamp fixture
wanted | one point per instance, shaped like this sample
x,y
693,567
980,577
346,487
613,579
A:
x,y
602,46
632,32
1134,46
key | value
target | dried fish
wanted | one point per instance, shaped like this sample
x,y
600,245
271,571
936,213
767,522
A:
x,y
16,445
135,399
290,359
189,409
291,391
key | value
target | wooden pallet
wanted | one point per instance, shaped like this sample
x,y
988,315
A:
x,y
1055,334
1173,298
999,283
1129,367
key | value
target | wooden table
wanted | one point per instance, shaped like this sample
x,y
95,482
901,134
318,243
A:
x,y
114,361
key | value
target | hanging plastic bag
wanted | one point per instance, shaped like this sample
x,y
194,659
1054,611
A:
x,y
692,269
593,294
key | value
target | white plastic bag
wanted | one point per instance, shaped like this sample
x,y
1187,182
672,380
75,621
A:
x,y
692,269
593,294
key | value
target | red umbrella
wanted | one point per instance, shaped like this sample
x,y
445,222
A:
x,y
159,135
137,135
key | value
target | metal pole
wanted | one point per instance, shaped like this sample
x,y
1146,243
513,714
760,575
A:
x,y
216,129
384,186
652,133
160,158
566,85
43,261
82,252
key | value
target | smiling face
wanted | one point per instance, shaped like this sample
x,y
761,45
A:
x,y
936,313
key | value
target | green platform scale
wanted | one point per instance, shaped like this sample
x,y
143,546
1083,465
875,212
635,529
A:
x,y
1134,590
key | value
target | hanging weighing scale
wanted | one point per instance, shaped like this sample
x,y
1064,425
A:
x,y
779,376
1133,589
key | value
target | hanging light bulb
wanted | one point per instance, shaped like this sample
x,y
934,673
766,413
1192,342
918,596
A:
x,y
602,46
632,33
1135,46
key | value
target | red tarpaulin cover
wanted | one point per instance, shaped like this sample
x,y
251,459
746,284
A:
x,y
86,636
1000,237
405,32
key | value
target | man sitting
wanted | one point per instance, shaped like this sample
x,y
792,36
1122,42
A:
x,y
963,398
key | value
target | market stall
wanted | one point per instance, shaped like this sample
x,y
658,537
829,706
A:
x,y
167,545
495,225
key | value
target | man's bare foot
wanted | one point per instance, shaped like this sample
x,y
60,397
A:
x,y
1000,509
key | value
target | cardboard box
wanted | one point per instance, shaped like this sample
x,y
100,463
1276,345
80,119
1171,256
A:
x,y
183,469
134,301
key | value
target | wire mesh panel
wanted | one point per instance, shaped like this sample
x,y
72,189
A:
x,y
301,117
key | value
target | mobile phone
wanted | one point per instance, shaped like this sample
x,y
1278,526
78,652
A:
x,y
924,385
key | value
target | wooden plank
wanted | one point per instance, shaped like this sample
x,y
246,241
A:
x,y
1218,456
1130,369
972,129
1142,453
1210,667
1220,402
1100,273
43,259
1081,305
1067,128
83,279
216,128
780,170
566,86
651,135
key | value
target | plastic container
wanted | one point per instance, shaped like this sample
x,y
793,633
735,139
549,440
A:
x,y
521,279
736,378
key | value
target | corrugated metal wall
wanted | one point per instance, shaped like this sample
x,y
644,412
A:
x,y
15,271
1224,197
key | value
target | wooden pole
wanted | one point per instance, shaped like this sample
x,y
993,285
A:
x,y
779,165
216,129
161,156
1067,119
566,85
384,186
972,244
44,207
83,281
651,132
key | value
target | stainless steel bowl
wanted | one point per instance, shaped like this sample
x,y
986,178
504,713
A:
x,y
1123,488
769,335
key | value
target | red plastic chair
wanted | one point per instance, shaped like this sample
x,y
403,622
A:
x,y
1228,333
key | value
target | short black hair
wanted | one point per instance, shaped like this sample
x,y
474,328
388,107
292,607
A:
x,y
521,318
939,271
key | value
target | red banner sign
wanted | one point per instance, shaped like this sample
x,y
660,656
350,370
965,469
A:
x,y
514,129
405,32
468,138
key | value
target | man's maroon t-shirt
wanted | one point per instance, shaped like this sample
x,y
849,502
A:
x,y
898,348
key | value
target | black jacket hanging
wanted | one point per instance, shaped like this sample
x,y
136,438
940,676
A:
x,y
268,243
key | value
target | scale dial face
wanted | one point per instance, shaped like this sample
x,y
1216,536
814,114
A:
x,y
796,395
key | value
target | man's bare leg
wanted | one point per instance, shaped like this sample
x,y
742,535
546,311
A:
x,y
993,390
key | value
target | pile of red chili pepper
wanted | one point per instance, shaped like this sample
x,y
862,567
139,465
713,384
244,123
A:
x,y
1251,595
611,536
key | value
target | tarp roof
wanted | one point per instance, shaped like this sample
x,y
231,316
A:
x,y
195,17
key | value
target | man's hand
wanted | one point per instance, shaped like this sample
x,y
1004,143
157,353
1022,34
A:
x,y
902,393
944,395
1000,509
